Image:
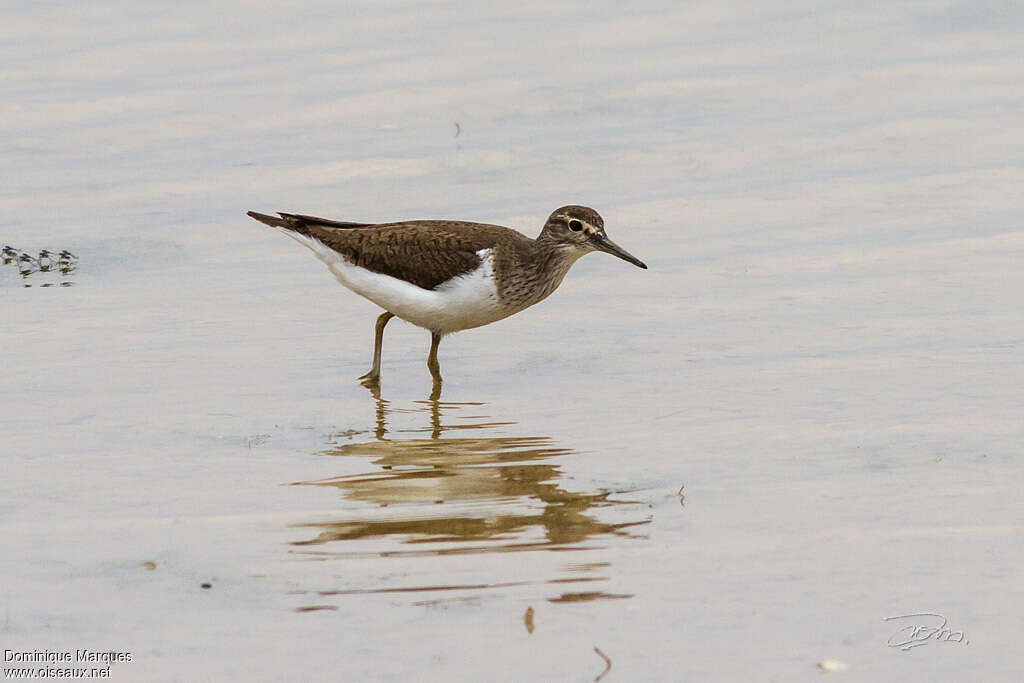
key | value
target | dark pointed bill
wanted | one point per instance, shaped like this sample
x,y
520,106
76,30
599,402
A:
x,y
606,245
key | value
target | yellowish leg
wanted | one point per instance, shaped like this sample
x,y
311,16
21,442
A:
x,y
432,364
373,376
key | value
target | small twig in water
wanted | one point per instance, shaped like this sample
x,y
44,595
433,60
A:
x,y
607,664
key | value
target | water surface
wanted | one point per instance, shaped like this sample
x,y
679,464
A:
x,y
802,420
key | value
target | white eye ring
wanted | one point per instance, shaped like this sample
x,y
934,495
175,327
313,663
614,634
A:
x,y
575,225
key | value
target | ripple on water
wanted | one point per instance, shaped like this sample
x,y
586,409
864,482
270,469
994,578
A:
x,y
460,500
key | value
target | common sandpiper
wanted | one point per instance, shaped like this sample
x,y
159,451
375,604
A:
x,y
447,276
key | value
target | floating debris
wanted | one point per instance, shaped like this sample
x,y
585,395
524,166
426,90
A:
x,y
316,608
46,261
832,665
528,619
607,664
258,440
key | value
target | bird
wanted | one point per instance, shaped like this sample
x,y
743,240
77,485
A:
x,y
444,275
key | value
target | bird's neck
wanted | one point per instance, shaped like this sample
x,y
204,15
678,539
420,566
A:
x,y
542,270
553,261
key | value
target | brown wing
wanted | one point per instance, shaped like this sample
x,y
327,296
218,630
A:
x,y
425,253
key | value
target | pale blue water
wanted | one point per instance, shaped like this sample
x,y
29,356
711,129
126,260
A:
x,y
823,354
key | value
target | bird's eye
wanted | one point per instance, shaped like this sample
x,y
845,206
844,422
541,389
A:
x,y
575,226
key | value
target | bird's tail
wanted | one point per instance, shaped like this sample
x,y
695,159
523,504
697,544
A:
x,y
304,225
272,221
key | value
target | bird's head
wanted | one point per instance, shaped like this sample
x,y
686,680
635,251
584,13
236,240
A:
x,y
581,230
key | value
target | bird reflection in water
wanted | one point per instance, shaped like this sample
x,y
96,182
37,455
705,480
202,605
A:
x,y
448,492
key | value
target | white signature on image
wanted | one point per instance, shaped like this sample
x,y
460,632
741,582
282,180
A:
x,y
922,627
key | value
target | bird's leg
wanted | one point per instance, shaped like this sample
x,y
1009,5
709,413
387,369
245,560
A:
x,y
435,411
373,376
432,364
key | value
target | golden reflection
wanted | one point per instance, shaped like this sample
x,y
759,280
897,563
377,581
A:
x,y
528,620
588,596
461,494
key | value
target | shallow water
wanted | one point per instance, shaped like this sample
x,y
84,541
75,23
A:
x,y
802,420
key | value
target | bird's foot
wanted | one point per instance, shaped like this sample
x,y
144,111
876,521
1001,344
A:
x,y
370,378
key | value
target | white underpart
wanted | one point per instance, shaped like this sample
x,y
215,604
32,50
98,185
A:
x,y
466,301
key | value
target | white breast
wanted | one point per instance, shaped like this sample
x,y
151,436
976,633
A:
x,y
466,301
